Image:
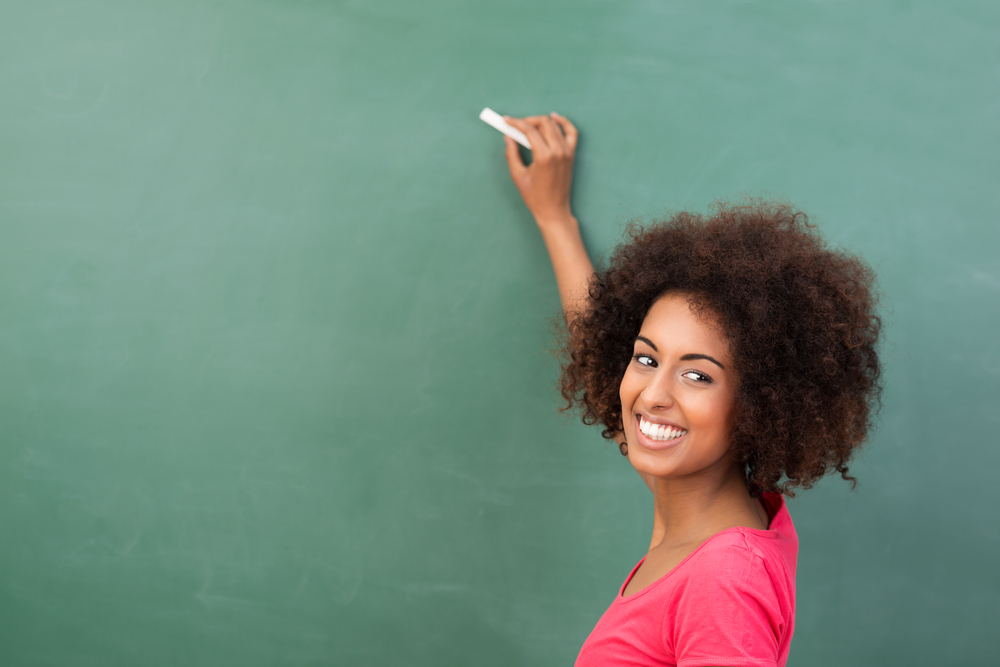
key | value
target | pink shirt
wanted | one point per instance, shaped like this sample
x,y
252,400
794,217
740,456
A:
x,y
730,603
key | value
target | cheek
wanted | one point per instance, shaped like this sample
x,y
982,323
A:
x,y
627,400
726,415
627,392
712,412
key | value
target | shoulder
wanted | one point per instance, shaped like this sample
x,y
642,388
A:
x,y
741,567
736,557
735,598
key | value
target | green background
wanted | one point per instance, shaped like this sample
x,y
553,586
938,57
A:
x,y
276,383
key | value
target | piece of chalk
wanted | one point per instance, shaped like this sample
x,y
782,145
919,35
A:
x,y
494,119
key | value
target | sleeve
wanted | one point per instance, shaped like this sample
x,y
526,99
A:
x,y
727,613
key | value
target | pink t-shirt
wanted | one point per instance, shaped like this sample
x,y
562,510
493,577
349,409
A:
x,y
730,603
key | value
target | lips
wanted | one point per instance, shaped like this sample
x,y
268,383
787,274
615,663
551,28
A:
x,y
660,432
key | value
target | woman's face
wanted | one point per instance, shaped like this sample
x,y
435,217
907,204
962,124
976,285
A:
x,y
678,394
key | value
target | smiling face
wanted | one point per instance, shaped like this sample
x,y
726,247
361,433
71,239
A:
x,y
678,394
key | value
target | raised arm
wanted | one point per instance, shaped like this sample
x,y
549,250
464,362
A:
x,y
545,185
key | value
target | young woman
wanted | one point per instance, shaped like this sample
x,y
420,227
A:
x,y
733,359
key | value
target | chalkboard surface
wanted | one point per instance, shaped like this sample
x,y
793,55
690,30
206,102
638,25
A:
x,y
275,339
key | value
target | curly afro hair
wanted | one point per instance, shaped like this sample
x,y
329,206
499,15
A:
x,y
800,319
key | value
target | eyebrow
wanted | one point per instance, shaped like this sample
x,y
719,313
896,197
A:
x,y
686,357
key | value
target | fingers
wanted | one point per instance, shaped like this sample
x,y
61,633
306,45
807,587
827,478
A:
x,y
531,131
554,139
558,135
572,134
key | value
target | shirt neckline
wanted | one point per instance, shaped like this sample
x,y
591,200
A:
x,y
771,501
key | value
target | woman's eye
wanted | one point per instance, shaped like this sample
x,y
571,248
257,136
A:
x,y
644,359
696,376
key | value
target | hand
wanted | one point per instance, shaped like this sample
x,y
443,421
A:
x,y
545,183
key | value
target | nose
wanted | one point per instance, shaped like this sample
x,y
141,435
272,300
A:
x,y
659,392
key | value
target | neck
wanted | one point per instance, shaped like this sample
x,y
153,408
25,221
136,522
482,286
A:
x,y
696,508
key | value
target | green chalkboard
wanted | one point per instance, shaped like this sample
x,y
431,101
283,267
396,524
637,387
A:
x,y
275,329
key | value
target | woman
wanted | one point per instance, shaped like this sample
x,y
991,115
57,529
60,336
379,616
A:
x,y
733,359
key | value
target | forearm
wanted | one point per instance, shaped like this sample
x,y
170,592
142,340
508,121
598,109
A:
x,y
570,261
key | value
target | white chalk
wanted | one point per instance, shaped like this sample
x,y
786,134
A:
x,y
491,117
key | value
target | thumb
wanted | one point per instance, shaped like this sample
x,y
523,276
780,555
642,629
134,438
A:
x,y
513,158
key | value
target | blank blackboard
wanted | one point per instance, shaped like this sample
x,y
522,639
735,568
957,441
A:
x,y
275,329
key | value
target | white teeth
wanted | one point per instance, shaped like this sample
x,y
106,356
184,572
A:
x,y
659,431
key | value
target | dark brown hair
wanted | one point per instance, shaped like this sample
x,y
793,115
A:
x,y
800,319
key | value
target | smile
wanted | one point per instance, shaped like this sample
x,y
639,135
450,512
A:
x,y
660,431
